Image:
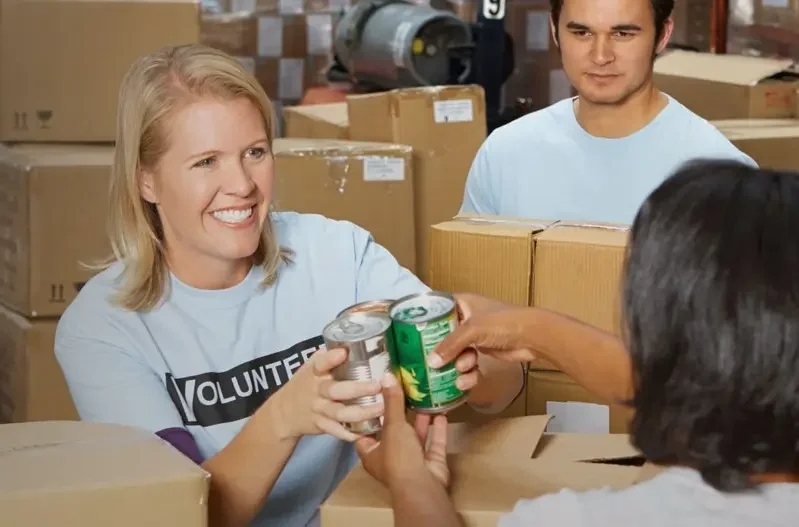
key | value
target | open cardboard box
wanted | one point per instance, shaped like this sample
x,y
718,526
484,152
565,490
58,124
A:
x,y
495,465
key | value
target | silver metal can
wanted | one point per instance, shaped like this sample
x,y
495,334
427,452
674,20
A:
x,y
366,336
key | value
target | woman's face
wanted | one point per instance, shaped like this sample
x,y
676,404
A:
x,y
213,186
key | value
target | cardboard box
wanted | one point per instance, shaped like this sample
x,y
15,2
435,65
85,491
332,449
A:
x,y
317,121
32,385
570,268
728,86
445,125
65,54
486,255
75,474
772,143
573,408
368,184
53,201
494,466
578,271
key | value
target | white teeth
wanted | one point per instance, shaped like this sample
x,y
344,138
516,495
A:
x,y
232,216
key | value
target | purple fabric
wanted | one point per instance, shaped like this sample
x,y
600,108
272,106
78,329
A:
x,y
181,439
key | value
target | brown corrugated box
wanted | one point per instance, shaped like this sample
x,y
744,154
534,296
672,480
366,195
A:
x,y
53,204
317,121
75,474
728,86
571,268
32,385
495,465
368,184
772,143
82,49
445,125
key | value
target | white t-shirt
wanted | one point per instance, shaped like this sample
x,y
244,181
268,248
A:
x,y
677,497
205,360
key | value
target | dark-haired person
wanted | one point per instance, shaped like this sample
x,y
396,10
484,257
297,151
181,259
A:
x,y
595,157
711,306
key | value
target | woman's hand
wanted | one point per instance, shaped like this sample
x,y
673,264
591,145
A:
x,y
313,403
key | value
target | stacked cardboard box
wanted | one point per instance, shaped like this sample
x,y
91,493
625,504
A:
x,y
286,45
573,269
58,123
444,125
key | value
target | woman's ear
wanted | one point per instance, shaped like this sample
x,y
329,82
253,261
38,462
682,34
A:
x,y
147,185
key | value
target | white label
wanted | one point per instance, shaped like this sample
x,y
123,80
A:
x,y
238,6
494,9
290,6
270,36
578,418
377,168
248,63
320,34
559,86
289,82
776,3
399,46
455,111
537,31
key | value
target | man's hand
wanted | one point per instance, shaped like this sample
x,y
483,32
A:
x,y
491,327
400,457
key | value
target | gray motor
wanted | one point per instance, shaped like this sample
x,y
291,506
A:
x,y
397,44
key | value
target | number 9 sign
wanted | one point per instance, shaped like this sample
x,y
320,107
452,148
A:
x,y
494,9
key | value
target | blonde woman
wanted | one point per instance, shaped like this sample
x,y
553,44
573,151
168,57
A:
x,y
205,327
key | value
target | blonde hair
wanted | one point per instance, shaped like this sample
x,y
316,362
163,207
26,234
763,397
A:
x,y
152,90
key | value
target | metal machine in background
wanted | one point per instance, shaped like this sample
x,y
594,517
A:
x,y
386,44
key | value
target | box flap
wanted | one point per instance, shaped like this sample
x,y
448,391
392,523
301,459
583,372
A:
x,y
336,147
730,69
335,113
483,488
514,438
494,225
587,233
586,447
742,129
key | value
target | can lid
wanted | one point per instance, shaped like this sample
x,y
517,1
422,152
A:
x,y
352,327
422,308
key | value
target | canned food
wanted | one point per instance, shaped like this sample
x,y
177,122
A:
x,y
366,337
379,306
420,322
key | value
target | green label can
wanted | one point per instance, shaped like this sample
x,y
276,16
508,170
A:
x,y
420,322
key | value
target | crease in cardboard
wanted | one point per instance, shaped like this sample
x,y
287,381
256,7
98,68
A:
x,y
588,225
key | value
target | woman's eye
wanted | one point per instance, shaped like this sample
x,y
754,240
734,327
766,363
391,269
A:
x,y
256,153
205,163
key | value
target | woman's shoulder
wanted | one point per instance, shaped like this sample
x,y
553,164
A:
x,y
297,231
94,305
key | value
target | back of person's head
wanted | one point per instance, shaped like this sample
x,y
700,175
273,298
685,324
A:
x,y
711,301
153,89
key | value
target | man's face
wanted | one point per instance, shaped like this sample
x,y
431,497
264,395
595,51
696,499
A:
x,y
607,47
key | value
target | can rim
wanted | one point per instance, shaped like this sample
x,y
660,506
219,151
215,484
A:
x,y
387,301
361,314
427,294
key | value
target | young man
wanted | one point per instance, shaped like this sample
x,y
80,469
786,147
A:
x,y
595,157
710,367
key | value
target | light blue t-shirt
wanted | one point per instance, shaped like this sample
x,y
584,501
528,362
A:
x,y
545,165
205,360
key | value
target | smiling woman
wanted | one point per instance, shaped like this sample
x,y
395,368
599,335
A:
x,y
205,326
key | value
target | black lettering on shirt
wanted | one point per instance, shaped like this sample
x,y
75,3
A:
x,y
214,398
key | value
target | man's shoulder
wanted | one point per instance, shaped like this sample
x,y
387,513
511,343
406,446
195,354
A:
x,y
701,137
538,127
